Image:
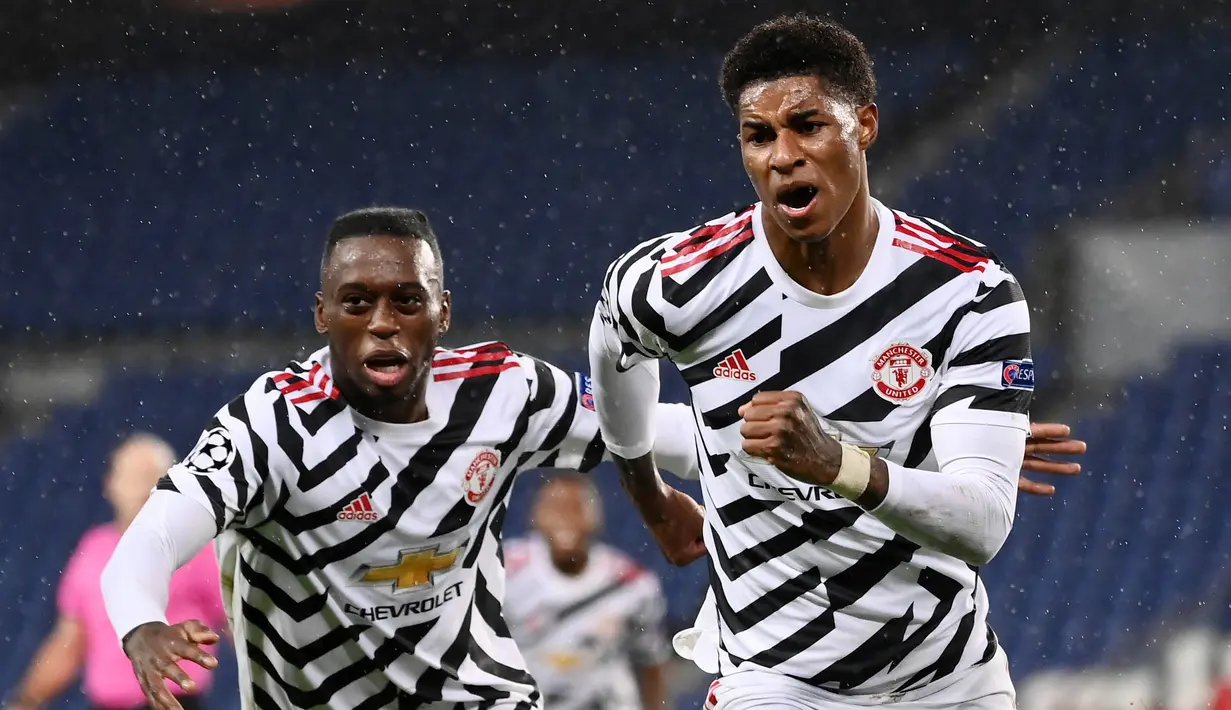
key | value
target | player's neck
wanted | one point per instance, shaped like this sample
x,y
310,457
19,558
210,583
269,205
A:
x,y
408,411
833,265
572,564
404,410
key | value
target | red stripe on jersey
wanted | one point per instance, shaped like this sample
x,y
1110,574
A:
x,y
698,238
489,347
706,233
631,573
328,388
478,357
917,229
723,231
314,396
474,372
937,254
704,256
294,386
953,249
289,383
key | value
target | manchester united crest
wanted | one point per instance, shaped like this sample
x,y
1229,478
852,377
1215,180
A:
x,y
481,475
901,372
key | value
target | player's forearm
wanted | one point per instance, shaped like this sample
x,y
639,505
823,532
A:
x,y
965,510
960,513
639,478
168,532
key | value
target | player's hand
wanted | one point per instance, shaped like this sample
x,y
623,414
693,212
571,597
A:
x,y
155,650
1048,438
681,528
781,428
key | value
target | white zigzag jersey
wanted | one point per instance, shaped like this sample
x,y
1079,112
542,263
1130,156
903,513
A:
x,y
934,330
361,560
585,636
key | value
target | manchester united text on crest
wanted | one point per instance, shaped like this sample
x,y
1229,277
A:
x,y
901,372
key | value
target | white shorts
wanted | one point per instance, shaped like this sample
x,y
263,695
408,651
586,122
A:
x,y
985,687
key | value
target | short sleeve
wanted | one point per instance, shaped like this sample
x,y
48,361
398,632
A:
x,y
988,377
562,429
227,468
74,582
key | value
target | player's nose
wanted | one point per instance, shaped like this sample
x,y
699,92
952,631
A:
x,y
383,322
786,154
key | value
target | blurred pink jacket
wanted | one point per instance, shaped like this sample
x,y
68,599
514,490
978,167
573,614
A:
x,y
108,679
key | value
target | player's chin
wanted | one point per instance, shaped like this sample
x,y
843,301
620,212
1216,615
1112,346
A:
x,y
808,227
384,390
807,231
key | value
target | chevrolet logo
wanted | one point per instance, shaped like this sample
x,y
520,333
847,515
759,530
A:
x,y
414,569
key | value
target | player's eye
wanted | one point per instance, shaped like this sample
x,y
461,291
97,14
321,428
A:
x,y
812,127
758,138
354,300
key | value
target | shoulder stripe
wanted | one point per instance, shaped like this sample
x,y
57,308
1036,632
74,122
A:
x,y
472,361
917,237
731,235
313,386
948,239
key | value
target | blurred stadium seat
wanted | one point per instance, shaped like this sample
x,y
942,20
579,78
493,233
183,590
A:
x,y
1122,108
218,188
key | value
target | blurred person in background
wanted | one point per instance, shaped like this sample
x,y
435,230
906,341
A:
x,y
83,640
588,619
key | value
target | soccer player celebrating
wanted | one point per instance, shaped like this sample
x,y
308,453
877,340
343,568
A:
x,y
861,380
357,499
587,618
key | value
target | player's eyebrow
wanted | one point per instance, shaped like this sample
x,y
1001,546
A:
x,y
367,287
805,114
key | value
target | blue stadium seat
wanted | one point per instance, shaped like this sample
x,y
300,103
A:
x,y
218,188
1121,109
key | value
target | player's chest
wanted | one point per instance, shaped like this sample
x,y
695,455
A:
x,y
854,366
416,490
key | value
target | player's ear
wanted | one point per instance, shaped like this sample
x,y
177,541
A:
x,y
318,314
869,124
446,311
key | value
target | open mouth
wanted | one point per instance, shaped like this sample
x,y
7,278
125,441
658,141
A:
x,y
387,368
796,199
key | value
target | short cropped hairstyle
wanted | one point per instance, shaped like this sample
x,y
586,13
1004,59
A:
x,y
380,221
799,45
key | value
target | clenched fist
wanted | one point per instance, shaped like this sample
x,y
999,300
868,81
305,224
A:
x,y
781,428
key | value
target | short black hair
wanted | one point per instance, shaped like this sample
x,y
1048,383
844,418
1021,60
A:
x,y
381,221
799,45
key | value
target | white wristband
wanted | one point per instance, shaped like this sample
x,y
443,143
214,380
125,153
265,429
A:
x,y
854,474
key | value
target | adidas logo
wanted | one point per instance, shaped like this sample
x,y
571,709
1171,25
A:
x,y
735,367
359,509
